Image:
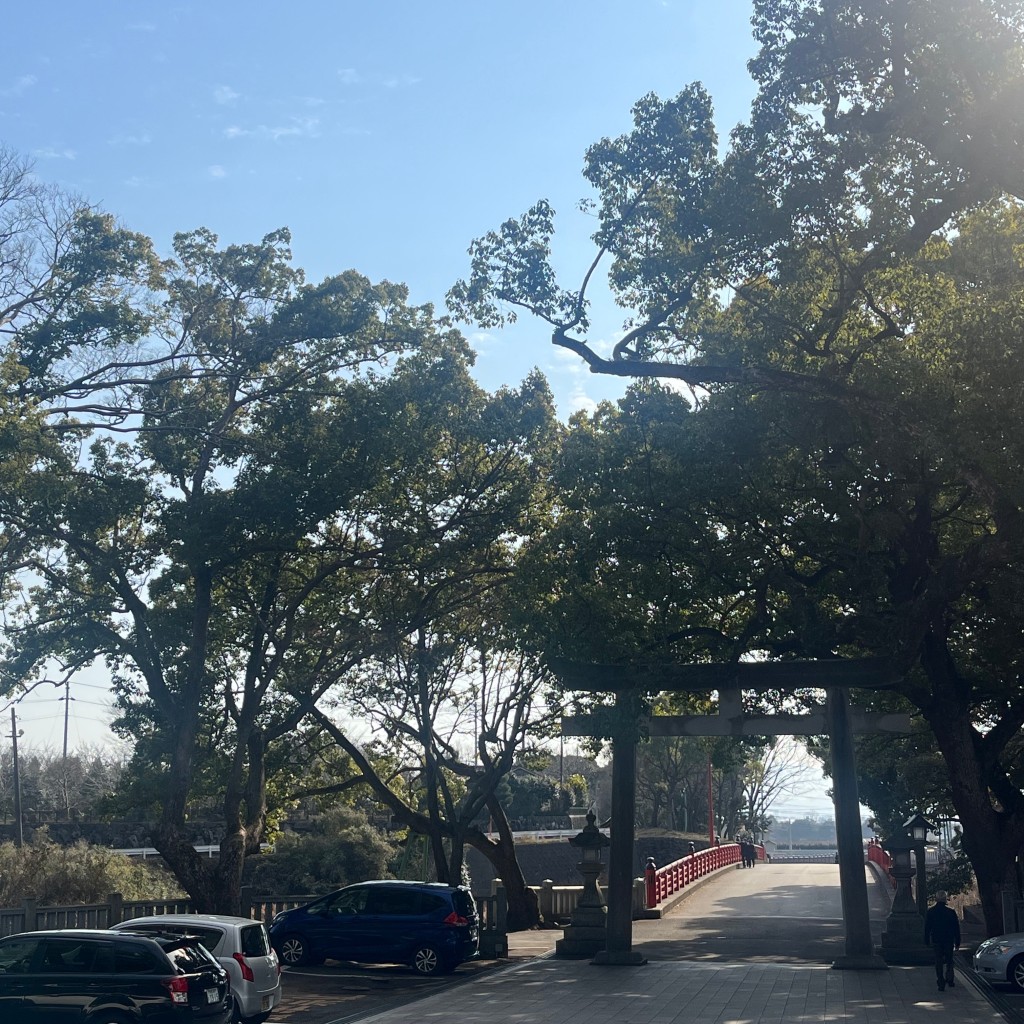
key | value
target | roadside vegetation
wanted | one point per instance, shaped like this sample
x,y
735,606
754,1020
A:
x,y
56,875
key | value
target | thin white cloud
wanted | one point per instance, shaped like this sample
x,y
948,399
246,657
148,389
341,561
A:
x,y
50,153
300,127
225,95
20,85
144,139
582,403
400,81
217,171
349,76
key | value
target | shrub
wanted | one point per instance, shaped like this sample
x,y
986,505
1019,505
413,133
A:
x,y
67,875
343,847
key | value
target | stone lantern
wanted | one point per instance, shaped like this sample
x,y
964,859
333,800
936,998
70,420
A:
x,y
586,935
918,828
903,938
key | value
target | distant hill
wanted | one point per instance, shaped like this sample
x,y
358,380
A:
x,y
807,831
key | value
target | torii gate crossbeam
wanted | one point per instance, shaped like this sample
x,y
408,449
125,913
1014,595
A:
x,y
835,719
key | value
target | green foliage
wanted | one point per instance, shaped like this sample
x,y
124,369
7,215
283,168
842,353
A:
x,y
303,476
530,795
63,875
955,876
841,287
577,790
343,847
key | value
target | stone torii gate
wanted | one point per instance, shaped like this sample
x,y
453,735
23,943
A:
x,y
629,682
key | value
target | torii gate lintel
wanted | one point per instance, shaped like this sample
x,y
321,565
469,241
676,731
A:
x,y
834,676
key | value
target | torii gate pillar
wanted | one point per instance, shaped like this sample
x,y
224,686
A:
x,y
619,924
860,954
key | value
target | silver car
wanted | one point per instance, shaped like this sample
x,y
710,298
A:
x,y
1001,958
241,946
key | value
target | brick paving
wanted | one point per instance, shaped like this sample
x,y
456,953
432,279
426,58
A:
x,y
750,946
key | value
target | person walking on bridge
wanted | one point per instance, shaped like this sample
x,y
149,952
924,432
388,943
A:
x,y
942,932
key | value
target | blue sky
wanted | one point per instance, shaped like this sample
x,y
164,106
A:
x,y
385,134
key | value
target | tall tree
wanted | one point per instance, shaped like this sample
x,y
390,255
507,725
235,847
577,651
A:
x,y
816,285
448,686
216,560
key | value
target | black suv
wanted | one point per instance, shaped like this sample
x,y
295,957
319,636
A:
x,y
104,977
429,926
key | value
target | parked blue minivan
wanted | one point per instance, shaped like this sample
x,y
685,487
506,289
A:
x,y
429,926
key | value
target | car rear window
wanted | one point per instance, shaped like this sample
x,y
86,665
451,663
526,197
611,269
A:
x,y
255,941
208,936
188,958
429,902
464,903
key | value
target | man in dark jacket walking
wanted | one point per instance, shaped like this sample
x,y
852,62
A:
x,y
942,932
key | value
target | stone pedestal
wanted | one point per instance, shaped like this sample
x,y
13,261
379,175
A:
x,y
588,931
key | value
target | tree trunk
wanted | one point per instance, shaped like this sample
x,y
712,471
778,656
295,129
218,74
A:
x,y
456,856
194,872
992,836
523,906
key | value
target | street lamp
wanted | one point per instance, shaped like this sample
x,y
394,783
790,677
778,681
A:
x,y
919,826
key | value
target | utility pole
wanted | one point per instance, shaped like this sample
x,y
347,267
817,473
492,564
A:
x,y
64,787
67,705
19,831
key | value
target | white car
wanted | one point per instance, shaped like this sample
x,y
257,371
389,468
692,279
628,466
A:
x,y
241,946
1001,958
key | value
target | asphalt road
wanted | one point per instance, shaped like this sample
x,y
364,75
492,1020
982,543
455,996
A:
x,y
337,992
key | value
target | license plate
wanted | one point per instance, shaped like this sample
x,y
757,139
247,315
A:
x,y
212,995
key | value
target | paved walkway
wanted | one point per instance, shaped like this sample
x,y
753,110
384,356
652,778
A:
x,y
552,991
750,946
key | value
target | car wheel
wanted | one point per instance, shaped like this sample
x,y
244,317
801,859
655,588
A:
x,y
427,961
294,951
1015,973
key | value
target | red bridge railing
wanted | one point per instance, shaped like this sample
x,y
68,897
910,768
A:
x,y
663,882
876,855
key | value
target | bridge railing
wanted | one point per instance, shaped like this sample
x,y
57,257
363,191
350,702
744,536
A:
x,y
660,883
877,855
